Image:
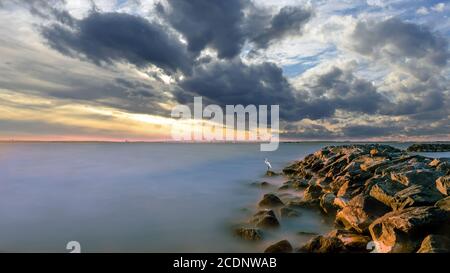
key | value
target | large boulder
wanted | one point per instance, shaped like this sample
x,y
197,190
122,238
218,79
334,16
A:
x,y
403,231
384,190
425,177
443,184
312,193
352,241
415,195
270,200
265,219
327,203
360,212
444,204
435,244
323,244
281,247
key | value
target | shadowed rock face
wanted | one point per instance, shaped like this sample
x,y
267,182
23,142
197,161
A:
x,y
265,219
377,190
435,244
280,247
404,230
270,200
323,244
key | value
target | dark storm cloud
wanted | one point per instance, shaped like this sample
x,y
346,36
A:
x,y
393,38
227,25
289,20
214,23
233,82
109,37
340,89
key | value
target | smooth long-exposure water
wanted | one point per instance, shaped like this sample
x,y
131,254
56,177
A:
x,y
139,197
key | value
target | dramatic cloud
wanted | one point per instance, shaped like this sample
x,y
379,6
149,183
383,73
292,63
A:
x,y
398,41
226,25
108,37
233,82
337,69
289,20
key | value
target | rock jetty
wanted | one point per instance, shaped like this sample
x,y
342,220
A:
x,y
429,147
381,198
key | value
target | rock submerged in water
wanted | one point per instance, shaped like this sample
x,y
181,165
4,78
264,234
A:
x,y
281,247
271,173
270,200
263,184
249,234
375,192
265,219
288,212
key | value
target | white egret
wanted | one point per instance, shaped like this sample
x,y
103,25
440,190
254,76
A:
x,y
269,166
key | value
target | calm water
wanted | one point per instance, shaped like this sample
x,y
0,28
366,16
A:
x,y
139,197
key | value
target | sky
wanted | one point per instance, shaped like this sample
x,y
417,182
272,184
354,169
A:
x,y
113,70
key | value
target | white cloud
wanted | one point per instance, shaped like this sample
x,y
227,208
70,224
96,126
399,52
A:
x,y
439,7
422,11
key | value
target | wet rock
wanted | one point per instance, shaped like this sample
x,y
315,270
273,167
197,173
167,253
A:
x,y
270,200
360,212
307,233
435,244
299,184
351,241
415,195
327,203
443,184
265,219
403,231
271,173
292,169
295,184
303,204
312,193
249,234
280,247
323,244
429,147
288,212
262,184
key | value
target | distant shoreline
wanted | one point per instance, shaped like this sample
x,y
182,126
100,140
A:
x,y
216,142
